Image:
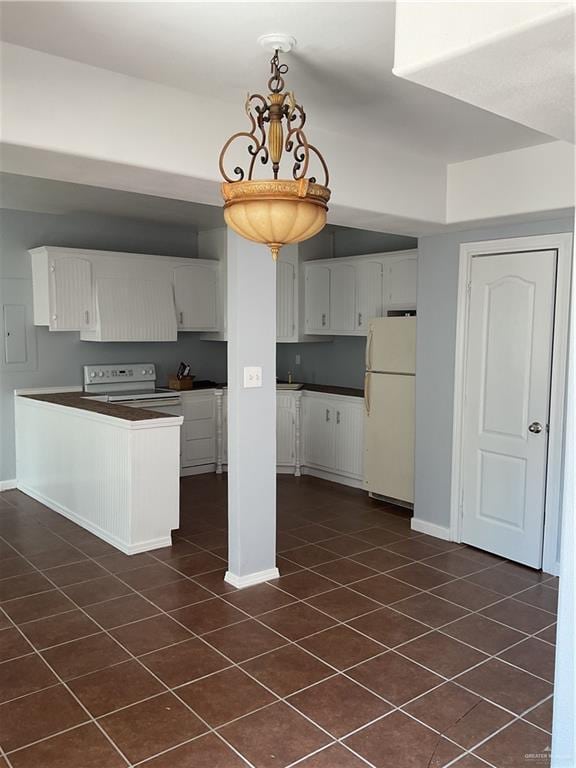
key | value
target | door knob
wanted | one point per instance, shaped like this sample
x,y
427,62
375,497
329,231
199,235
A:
x,y
535,427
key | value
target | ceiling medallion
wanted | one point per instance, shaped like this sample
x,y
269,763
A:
x,y
275,211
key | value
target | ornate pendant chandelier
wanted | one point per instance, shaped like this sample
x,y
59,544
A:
x,y
275,211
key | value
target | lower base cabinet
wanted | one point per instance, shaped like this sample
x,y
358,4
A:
x,y
198,448
316,433
333,434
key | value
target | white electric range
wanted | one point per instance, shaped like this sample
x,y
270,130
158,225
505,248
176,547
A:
x,y
131,384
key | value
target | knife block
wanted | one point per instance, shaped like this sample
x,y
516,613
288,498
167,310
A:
x,y
186,382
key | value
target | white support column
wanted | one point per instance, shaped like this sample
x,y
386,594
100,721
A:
x,y
564,725
251,414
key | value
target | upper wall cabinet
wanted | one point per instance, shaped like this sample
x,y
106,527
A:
x,y
369,296
317,301
63,290
213,248
196,296
285,303
110,296
343,295
401,282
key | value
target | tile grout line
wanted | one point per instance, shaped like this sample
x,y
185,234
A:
x,y
296,600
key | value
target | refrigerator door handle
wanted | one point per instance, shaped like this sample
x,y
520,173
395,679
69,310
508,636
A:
x,y
367,393
369,349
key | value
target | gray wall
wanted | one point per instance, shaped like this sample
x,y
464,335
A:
x,y
60,356
436,351
339,362
353,242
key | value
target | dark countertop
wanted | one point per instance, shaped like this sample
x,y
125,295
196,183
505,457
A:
x,y
82,401
328,389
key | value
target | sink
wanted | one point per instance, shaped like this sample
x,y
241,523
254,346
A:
x,y
289,386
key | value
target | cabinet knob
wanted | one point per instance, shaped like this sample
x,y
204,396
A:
x,y
360,318
327,414
337,417
323,320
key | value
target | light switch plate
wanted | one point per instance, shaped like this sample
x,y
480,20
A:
x,y
252,376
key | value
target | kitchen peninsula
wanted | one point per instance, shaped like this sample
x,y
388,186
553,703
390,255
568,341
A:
x,y
112,469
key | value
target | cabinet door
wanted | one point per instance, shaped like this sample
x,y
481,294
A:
x,y
402,282
71,297
318,433
342,297
317,298
349,439
285,286
285,430
196,297
368,293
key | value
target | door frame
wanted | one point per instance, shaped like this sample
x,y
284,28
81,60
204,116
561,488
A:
x,y
562,244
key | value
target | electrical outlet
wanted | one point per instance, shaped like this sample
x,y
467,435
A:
x,y
252,376
297,359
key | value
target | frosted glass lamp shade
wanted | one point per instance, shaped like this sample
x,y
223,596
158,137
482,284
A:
x,y
275,212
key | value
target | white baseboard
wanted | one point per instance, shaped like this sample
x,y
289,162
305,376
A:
x,y
352,482
127,549
423,526
240,582
7,485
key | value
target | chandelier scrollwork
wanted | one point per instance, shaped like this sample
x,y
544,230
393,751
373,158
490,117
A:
x,y
276,126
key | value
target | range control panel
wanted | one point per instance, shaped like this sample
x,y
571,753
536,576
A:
x,y
115,374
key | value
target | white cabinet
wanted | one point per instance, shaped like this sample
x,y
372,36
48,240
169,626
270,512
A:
x,y
110,296
369,300
196,296
342,297
285,430
349,434
63,290
285,300
198,433
317,298
318,434
401,282
333,429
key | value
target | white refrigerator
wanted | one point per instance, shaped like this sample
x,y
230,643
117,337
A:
x,y
389,408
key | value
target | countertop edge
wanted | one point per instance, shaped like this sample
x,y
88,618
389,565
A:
x,y
111,413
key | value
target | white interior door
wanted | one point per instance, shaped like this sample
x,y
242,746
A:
x,y
507,394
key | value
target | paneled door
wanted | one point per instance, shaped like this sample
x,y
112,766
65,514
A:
x,y
507,397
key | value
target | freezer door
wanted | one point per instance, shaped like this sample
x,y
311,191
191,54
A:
x,y
389,436
391,345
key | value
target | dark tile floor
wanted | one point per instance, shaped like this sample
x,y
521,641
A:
x,y
376,647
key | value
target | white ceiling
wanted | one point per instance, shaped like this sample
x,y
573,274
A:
x,y
27,193
341,69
